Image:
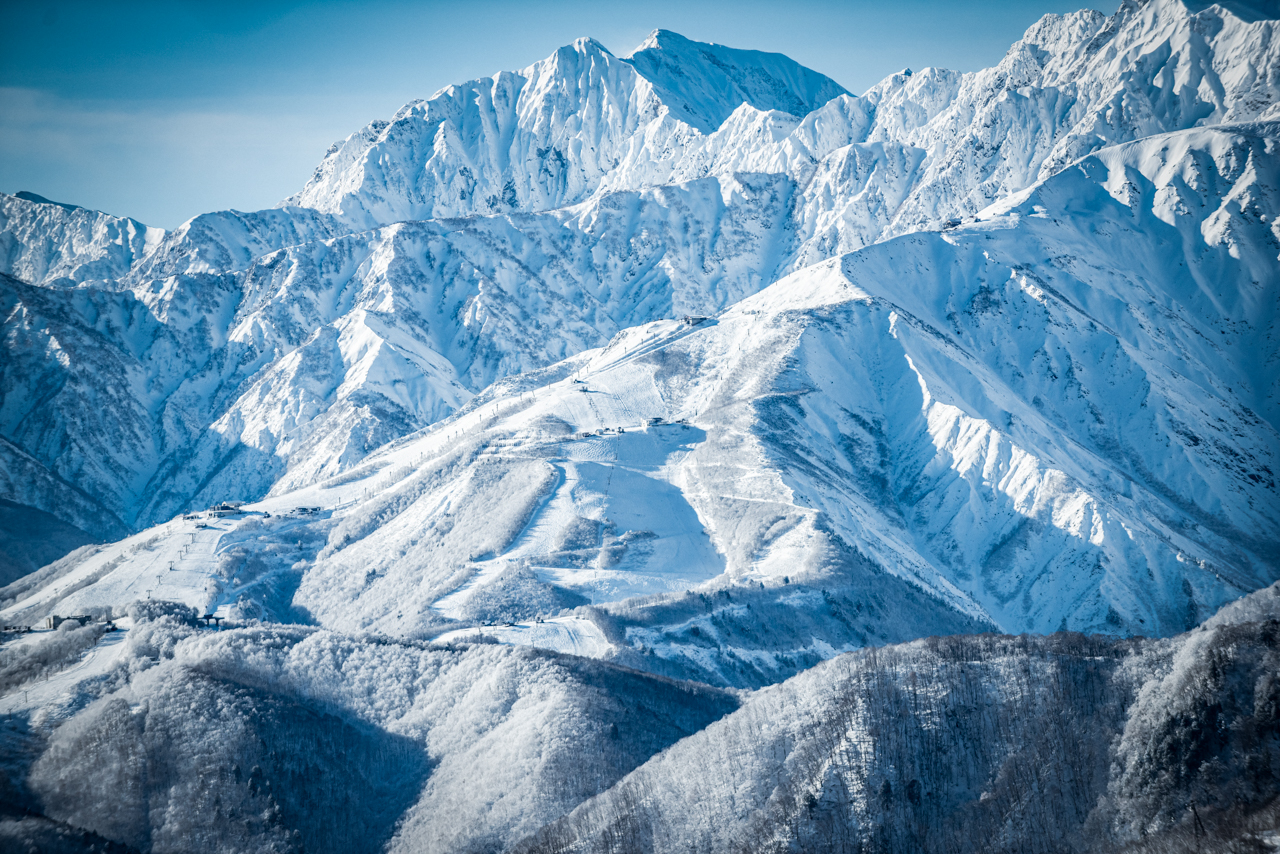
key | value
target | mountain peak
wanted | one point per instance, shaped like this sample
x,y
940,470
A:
x,y
702,83
586,44
1249,11
657,40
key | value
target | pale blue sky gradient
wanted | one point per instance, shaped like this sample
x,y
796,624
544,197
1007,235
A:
x,y
163,110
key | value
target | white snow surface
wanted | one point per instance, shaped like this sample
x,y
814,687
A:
x,y
563,634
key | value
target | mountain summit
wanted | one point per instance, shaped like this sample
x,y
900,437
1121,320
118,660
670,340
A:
x,y
702,84
547,136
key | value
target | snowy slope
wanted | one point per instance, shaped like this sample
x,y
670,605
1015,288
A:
x,y
49,243
228,241
61,369
44,516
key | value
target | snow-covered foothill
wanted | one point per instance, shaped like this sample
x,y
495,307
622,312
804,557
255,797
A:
x,y
289,738
278,737
980,743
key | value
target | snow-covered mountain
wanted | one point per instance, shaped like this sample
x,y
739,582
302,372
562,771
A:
x,y
693,363
1074,83
552,134
248,354
1053,418
673,208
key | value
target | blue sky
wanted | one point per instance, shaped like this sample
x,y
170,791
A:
x,y
163,110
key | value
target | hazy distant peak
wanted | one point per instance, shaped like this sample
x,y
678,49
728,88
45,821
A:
x,y
41,200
